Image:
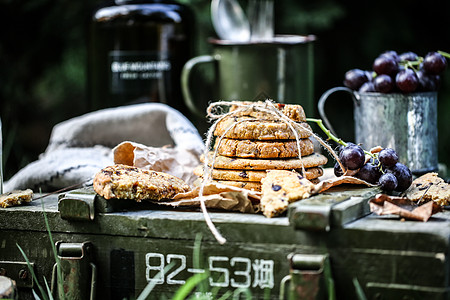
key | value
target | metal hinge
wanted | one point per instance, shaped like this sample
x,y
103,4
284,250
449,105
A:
x,y
309,278
77,205
78,271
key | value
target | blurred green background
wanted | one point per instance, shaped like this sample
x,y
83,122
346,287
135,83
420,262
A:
x,y
43,58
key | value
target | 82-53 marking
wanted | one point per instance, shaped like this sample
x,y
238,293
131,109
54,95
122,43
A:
x,y
244,273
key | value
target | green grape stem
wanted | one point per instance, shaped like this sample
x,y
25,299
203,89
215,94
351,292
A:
x,y
445,54
412,64
331,136
415,65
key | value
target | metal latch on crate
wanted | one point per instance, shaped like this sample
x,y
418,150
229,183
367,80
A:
x,y
309,278
76,274
77,205
332,208
83,204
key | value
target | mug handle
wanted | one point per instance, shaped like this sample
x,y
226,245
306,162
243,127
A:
x,y
323,99
185,74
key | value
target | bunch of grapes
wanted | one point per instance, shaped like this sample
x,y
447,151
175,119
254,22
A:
x,y
404,73
382,168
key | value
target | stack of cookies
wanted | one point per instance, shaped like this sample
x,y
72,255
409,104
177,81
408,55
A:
x,y
251,141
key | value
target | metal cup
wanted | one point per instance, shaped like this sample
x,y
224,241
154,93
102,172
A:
x,y
404,122
280,69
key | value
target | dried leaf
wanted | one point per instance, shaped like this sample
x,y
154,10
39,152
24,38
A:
x,y
383,204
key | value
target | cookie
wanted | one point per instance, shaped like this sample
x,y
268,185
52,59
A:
x,y
16,198
294,112
248,185
309,161
429,187
251,175
246,128
264,149
280,188
127,182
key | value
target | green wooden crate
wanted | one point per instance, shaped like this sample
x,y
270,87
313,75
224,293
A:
x,y
327,243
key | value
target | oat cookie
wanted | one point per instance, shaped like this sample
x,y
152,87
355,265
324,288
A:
x,y
429,187
248,185
264,149
127,182
16,198
309,161
280,188
294,112
246,128
252,175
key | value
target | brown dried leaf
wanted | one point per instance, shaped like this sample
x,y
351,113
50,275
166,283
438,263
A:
x,y
335,181
383,204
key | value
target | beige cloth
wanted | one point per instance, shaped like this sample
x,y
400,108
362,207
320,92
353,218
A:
x,y
80,147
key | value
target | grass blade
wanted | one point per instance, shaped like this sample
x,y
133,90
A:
x,y
30,268
59,276
49,292
359,291
225,296
237,294
152,283
190,284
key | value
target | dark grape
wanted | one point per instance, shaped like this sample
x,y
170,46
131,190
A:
x,y
409,56
342,147
388,157
391,53
403,175
338,170
367,87
427,82
385,64
369,172
352,157
383,84
407,81
434,63
388,182
355,78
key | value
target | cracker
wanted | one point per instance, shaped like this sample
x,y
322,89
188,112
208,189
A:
x,y
246,128
264,149
309,161
127,182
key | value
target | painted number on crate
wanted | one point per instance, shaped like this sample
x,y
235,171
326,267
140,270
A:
x,y
235,272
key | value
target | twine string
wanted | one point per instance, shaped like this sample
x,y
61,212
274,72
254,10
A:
x,y
209,160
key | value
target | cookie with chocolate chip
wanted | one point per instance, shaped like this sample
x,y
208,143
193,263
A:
x,y
294,112
252,175
264,149
308,161
280,188
247,128
128,182
429,187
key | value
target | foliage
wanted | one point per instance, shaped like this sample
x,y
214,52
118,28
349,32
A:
x,y
43,57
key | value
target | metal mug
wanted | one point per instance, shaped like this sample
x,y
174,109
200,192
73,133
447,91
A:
x,y
404,122
280,69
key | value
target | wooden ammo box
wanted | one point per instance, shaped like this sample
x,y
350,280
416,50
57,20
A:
x,y
112,250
